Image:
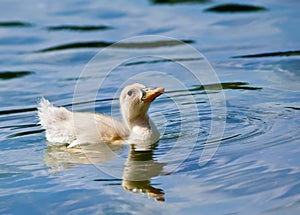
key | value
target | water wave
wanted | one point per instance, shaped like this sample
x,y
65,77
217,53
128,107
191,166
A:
x,y
102,44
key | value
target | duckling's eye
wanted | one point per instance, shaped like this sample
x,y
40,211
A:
x,y
129,93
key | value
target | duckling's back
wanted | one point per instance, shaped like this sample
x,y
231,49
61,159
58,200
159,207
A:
x,y
74,128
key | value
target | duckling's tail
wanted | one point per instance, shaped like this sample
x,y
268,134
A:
x,y
56,121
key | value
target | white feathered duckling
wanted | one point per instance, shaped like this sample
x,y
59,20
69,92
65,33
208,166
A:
x,y
75,128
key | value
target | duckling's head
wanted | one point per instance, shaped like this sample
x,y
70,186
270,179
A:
x,y
135,101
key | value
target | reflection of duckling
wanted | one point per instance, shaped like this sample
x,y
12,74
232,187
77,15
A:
x,y
74,128
58,157
139,169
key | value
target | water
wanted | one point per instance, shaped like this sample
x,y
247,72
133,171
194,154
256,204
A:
x,y
45,47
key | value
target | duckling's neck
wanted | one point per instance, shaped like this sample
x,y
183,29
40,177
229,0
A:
x,y
142,121
142,130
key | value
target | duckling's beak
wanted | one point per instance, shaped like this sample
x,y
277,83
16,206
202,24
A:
x,y
149,95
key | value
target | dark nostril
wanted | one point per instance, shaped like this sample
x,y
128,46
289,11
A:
x,y
144,93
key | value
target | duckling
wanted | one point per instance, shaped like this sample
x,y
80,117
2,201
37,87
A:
x,y
75,128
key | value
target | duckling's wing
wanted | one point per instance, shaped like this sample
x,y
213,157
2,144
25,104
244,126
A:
x,y
75,128
91,128
111,129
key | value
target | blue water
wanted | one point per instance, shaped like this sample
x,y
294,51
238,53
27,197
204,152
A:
x,y
248,69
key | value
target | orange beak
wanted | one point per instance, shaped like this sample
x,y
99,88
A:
x,y
152,94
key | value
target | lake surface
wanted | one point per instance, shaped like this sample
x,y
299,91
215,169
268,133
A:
x,y
229,118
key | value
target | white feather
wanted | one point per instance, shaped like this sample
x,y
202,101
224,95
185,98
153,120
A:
x,y
75,128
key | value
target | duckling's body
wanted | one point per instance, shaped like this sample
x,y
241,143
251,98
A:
x,y
74,128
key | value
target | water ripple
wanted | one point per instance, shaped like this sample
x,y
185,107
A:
x,y
233,8
79,28
102,44
5,75
271,54
13,24
14,111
